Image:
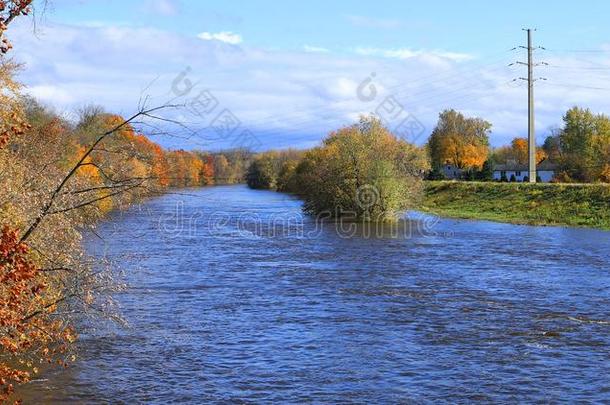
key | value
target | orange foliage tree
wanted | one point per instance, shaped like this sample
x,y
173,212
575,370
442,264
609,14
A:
x,y
160,166
518,152
189,169
460,141
30,332
207,171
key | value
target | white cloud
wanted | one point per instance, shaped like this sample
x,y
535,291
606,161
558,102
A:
x,y
387,53
315,49
406,53
224,36
51,94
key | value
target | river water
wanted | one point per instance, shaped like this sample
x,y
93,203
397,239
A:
x,y
234,296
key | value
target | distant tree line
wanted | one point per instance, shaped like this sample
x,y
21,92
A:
x,y
273,170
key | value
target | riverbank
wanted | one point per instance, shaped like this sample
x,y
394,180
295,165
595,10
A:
x,y
582,205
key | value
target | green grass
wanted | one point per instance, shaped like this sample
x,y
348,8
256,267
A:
x,y
584,205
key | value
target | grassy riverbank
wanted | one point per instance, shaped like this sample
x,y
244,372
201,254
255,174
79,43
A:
x,y
586,205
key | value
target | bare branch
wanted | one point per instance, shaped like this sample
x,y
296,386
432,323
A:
x,y
54,269
120,184
42,310
94,200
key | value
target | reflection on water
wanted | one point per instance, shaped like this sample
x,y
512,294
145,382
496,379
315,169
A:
x,y
236,296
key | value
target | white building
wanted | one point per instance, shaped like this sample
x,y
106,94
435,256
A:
x,y
545,171
451,172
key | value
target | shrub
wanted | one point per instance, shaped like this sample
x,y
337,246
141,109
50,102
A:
x,y
287,181
435,174
486,173
273,169
260,174
362,171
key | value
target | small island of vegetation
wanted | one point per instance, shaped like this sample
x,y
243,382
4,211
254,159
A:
x,y
361,171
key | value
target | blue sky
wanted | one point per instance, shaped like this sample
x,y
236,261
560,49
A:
x,y
290,73
469,26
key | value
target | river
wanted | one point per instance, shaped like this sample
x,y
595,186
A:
x,y
235,296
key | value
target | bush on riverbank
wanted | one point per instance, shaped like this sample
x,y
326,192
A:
x,y
361,171
537,204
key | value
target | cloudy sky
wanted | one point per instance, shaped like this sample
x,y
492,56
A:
x,y
285,74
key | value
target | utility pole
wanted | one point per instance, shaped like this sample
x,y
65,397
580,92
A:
x,y
531,133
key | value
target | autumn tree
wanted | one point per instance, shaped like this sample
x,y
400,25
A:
x,y
12,114
126,159
520,150
190,169
52,188
261,173
222,170
45,270
517,152
585,145
287,180
160,166
460,141
207,171
239,160
31,333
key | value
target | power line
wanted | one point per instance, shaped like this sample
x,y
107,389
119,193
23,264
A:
x,y
420,102
577,86
428,94
580,67
578,50
341,104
